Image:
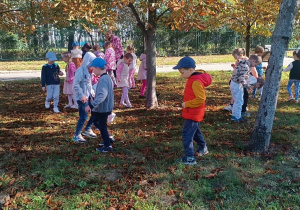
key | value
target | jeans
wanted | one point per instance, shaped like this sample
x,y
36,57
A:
x,y
82,118
237,92
296,86
53,93
100,121
191,131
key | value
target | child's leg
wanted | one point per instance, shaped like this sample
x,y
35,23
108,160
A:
x,y
124,89
245,97
237,93
254,93
82,117
189,129
74,100
50,90
296,90
289,88
90,123
126,97
100,121
70,99
143,87
198,137
132,82
56,89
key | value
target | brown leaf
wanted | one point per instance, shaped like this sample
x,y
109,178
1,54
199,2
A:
x,y
140,193
171,192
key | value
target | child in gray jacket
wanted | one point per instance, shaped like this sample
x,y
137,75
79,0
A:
x,y
103,103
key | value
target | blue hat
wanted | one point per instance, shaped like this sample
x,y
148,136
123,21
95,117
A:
x,y
97,62
185,62
75,44
51,56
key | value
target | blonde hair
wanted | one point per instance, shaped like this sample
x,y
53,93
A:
x,y
68,55
130,48
239,52
96,47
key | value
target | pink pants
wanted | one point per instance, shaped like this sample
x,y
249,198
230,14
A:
x,y
131,78
144,81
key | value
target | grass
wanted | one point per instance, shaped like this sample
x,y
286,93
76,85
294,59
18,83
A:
x,y
37,65
41,168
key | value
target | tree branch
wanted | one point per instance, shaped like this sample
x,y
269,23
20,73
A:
x,y
13,10
140,24
162,14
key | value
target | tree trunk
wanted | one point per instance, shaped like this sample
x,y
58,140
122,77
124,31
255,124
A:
x,y
261,133
70,39
248,36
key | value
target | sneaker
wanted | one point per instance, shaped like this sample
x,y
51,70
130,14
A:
x,y
245,114
67,106
290,98
123,104
228,108
104,149
74,106
112,140
259,98
111,117
79,139
47,104
202,152
296,101
56,110
89,133
128,105
188,160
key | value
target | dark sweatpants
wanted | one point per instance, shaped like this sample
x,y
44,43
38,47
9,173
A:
x,y
246,97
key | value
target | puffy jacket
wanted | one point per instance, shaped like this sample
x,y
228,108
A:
x,y
197,113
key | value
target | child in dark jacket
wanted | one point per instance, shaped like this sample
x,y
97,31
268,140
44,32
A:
x,y
193,108
50,78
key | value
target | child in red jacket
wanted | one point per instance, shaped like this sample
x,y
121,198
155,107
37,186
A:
x,y
193,108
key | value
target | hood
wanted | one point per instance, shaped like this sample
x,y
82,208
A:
x,y
203,77
142,57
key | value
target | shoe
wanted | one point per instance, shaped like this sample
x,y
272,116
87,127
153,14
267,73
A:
x,y
188,160
245,114
296,101
47,104
56,110
74,106
253,96
111,117
128,105
79,139
290,98
123,104
105,149
67,106
228,108
241,120
259,98
142,96
202,152
112,140
89,133
132,88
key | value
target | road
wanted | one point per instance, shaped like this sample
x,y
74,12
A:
x,y
31,74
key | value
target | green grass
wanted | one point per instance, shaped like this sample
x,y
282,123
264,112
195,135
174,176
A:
x,y
37,65
41,168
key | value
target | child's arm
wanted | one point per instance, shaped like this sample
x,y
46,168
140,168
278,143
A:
x,y
76,84
200,97
43,78
71,75
119,70
254,72
102,92
289,68
60,73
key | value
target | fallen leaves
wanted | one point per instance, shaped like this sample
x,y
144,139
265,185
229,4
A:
x,y
214,173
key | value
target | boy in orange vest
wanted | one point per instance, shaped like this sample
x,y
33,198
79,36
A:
x,y
193,108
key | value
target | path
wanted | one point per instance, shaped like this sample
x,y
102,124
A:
x,y
35,74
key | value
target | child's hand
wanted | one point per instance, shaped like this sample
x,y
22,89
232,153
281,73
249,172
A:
x,y
87,109
43,88
119,80
60,73
183,104
83,99
233,65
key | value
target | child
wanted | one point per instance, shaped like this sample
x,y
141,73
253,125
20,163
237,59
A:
x,y
259,50
122,78
50,78
86,48
132,67
294,77
238,82
103,102
110,59
142,74
76,55
83,91
68,83
97,51
193,108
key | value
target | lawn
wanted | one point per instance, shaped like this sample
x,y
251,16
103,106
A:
x,y
37,65
41,168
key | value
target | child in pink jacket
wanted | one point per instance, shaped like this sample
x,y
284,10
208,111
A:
x,y
110,59
142,74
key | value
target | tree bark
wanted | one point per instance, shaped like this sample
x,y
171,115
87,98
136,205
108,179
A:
x,y
261,133
248,36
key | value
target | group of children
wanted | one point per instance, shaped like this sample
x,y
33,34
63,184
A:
x,y
100,100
